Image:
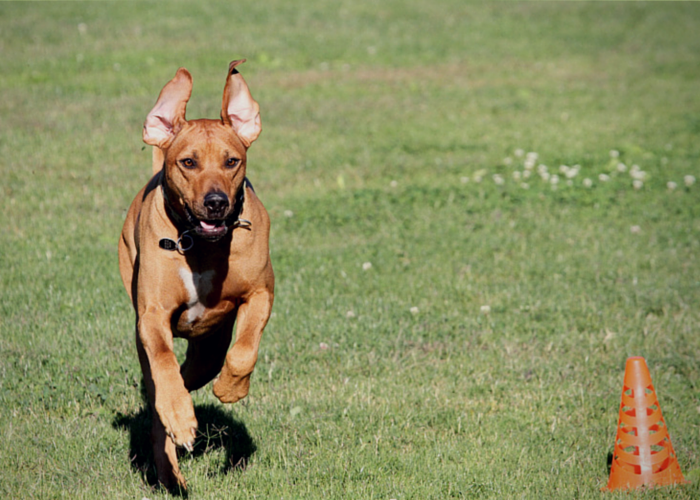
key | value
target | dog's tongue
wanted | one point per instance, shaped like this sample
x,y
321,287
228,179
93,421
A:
x,y
211,229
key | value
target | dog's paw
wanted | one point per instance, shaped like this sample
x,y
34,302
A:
x,y
180,424
183,434
230,389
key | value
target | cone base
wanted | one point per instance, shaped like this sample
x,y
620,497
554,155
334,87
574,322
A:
x,y
625,480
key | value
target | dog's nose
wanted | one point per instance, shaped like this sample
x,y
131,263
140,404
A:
x,y
216,204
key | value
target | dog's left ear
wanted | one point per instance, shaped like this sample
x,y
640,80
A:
x,y
239,110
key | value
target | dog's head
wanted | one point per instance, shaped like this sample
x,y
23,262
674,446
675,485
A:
x,y
204,160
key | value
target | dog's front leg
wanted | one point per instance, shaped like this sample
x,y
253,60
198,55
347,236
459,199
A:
x,y
234,381
165,457
174,422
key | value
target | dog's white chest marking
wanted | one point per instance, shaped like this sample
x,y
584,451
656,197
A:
x,y
198,287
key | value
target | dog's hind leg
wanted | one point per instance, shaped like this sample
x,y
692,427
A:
x,y
205,357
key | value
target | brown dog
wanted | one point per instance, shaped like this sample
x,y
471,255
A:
x,y
194,258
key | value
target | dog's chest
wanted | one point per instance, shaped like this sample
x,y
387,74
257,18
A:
x,y
204,307
198,287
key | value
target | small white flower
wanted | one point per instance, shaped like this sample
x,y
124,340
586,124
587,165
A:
x,y
532,156
614,153
689,180
529,164
516,175
637,184
366,266
603,177
414,310
393,184
508,161
635,229
671,185
323,346
587,182
527,174
541,169
638,174
545,176
485,310
621,167
519,152
350,314
498,179
525,185
554,179
563,169
288,213
464,180
573,171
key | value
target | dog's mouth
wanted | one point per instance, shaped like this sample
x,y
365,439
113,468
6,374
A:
x,y
211,230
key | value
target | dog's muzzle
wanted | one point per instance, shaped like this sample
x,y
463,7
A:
x,y
214,225
219,217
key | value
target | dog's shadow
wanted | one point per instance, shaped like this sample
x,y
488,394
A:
x,y
217,429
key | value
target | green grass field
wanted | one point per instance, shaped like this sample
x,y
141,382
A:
x,y
479,212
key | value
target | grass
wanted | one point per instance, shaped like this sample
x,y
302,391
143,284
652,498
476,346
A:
x,y
381,375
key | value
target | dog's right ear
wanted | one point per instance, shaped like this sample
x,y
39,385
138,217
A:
x,y
168,115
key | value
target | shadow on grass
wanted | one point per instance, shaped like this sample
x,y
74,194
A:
x,y
217,429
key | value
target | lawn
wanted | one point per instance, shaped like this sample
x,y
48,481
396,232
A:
x,y
479,212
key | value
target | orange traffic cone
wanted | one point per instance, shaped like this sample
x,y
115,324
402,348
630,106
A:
x,y
643,454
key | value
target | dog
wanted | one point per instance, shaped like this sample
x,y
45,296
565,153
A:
x,y
194,258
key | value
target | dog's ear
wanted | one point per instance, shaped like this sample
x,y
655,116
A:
x,y
168,115
239,110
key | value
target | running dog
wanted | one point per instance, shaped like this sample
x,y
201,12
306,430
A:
x,y
194,258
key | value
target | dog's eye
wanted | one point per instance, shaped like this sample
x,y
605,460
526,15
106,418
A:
x,y
188,163
232,162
